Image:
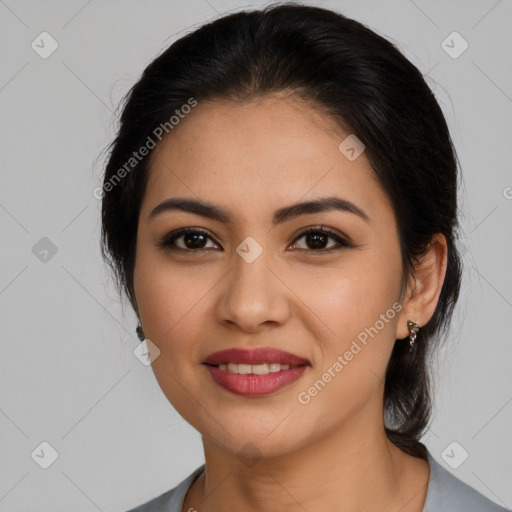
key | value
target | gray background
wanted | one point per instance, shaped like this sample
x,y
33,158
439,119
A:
x,y
68,373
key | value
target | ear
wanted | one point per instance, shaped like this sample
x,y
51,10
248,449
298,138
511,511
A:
x,y
424,286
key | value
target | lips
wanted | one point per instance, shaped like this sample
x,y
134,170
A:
x,y
255,372
255,385
254,357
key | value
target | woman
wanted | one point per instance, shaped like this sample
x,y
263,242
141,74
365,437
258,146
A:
x,y
280,206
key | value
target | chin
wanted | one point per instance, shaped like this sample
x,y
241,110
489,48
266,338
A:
x,y
249,440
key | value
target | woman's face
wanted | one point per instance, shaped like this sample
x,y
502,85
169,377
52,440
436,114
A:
x,y
252,279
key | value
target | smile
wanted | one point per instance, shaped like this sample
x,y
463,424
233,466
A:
x,y
253,384
254,372
255,369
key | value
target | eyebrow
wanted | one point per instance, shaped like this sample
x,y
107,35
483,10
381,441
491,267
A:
x,y
282,215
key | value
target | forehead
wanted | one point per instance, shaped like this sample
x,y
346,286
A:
x,y
259,154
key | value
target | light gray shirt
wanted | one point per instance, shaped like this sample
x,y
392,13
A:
x,y
445,493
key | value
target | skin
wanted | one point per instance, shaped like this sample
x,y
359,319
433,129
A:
x,y
253,158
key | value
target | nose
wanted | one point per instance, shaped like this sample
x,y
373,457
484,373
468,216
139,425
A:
x,y
253,295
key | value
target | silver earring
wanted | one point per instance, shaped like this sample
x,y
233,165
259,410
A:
x,y
140,333
413,329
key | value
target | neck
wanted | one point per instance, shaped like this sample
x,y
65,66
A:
x,y
351,469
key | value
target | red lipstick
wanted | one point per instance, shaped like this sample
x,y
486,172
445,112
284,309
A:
x,y
260,371
255,356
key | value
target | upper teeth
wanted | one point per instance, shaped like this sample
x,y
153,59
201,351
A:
x,y
258,369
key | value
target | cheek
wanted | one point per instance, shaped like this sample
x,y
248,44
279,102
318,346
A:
x,y
171,305
169,299
351,298
358,307
358,312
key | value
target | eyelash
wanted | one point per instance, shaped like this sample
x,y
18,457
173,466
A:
x,y
168,241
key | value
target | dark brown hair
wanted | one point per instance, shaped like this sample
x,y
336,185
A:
x,y
362,81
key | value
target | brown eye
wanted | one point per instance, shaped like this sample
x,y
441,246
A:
x,y
317,240
187,240
194,240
